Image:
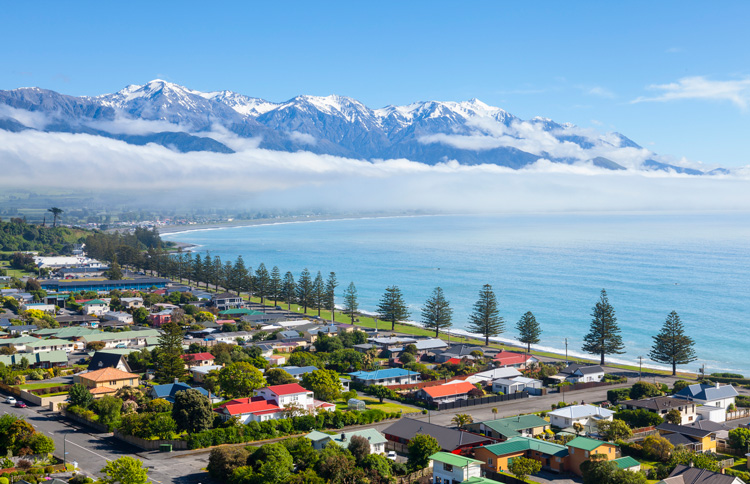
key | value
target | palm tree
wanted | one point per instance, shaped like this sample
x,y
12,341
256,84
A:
x,y
578,427
56,212
462,419
494,413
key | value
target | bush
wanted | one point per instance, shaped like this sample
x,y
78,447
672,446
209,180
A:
x,y
643,389
4,480
727,375
618,395
24,464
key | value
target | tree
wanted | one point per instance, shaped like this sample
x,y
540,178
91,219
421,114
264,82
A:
x,y
262,282
95,345
330,302
672,346
41,444
170,364
739,438
275,285
289,290
604,335
485,318
192,411
350,301
108,409
222,461
114,273
240,379
279,376
461,420
324,383
528,330
437,313
80,396
238,280
304,290
578,427
140,316
644,389
658,447
674,417
56,212
523,467
380,392
272,463
359,447
615,429
318,293
392,307
125,470
421,447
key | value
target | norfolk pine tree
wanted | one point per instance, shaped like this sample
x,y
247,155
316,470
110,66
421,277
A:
x,y
485,319
671,345
350,301
331,285
528,330
604,335
391,306
262,281
437,313
304,289
275,285
289,290
318,292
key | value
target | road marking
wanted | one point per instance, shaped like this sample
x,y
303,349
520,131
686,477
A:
x,y
84,448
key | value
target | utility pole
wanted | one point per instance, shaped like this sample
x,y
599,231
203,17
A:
x,y
640,367
566,351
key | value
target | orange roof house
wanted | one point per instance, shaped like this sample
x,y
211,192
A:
x,y
107,381
509,359
449,392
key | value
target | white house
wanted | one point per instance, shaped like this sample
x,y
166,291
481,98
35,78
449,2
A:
x,y
376,439
47,308
484,377
132,302
567,416
709,395
96,307
575,373
391,376
119,316
516,384
272,403
450,468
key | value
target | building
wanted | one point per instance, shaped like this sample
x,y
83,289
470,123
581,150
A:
x,y
576,373
107,381
161,318
76,320
376,439
45,308
429,345
693,438
273,402
486,377
131,302
450,440
683,474
517,384
391,376
446,393
709,395
567,416
662,405
227,300
119,317
459,352
103,359
169,390
448,468
299,371
509,359
199,373
507,428
72,285
49,359
95,307
498,457
581,449
123,339
198,359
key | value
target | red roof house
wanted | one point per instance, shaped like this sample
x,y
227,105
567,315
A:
x,y
198,359
509,359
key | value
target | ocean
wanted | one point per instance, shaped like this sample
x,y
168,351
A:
x,y
553,265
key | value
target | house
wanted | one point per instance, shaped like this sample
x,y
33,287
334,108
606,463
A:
x,y
50,359
76,319
122,339
376,439
576,373
273,402
227,300
429,345
299,371
446,393
161,318
103,359
231,337
106,381
709,395
96,307
509,359
627,463
450,440
517,384
52,344
72,285
721,430
448,468
457,351
45,308
197,359
391,376
21,329
131,302
199,373
119,317
390,342
683,474
277,360
662,405
169,390
486,377
498,457
693,438
581,449
567,416
507,428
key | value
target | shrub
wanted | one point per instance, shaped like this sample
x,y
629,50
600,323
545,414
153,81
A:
x,y
4,480
24,464
618,395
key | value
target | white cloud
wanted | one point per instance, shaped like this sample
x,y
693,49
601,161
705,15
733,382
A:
x,y
304,138
600,91
698,87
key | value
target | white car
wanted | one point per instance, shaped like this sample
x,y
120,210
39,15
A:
x,y
10,400
391,455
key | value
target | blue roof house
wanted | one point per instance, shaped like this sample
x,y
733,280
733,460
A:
x,y
169,390
391,376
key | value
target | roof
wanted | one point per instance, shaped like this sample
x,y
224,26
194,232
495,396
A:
x,y
250,405
448,389
684,430
479,480
101,390
454,459
586,443
522,444
510,426
573,367
226,295
288,389
626,462
581,411
244,311
496,373
317,435
426,344
590,370
299,370
169,390
103,336
57,356
104,359
382,374
511,358
701,391
205,369
107,374
198,357
683,474
95,301
656,403
48,342
372,435
449,439
462,350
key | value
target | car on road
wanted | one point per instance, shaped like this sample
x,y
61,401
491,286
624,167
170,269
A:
x,y
20,404
391,455
10,400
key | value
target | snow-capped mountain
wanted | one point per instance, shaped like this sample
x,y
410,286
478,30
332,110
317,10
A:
x,y
431,132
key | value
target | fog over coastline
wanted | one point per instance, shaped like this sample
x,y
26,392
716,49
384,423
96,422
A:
x,y
273,179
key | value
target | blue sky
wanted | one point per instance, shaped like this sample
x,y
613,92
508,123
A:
x,y
673,76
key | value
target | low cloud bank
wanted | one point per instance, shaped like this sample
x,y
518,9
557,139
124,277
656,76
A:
x,y
259,178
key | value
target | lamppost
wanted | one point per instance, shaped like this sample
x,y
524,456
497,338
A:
x,y
65,440
640,367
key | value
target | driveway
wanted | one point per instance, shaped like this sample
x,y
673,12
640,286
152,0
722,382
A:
x,y
552,478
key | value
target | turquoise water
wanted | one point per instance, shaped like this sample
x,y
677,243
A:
x,y
552,265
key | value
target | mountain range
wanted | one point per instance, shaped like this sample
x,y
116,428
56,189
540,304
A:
x,y
432,132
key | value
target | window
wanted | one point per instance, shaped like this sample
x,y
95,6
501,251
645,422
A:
x,y
489,461
447,467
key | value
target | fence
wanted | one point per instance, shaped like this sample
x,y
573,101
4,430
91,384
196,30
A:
x,y
482,400
642,433
500,477
721,446
408,479
586,386
740,413
150,444
77,418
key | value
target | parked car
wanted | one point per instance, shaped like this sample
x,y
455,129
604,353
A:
x,y
10,400
20,404
391,455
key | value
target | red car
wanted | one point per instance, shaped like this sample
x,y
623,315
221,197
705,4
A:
x,y
20,404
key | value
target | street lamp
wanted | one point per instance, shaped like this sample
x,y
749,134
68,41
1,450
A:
x,y
65,440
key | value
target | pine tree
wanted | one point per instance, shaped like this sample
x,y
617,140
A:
x,y
486,319
262,281
239,275
275,284
528,330
391,306
289,290
672,345
227,276
170,365
350,301
318,292
217,269
604,335
437,313
330,303
304,290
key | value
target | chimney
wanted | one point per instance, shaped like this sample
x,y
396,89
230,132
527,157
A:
x,y
176,380
717,384
343,436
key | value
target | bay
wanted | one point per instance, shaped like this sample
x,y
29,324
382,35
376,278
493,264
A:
x,y
554,265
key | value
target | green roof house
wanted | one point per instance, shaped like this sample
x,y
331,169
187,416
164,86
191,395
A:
x,y
507,428
447,467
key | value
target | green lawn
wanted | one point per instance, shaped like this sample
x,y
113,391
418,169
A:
x,y
373,403
35,386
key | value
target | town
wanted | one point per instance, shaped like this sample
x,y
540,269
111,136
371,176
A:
x,y
144,375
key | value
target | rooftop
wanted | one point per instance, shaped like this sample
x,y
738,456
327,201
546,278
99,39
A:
x,y
449,439
510,426
521,444
449,389
382,374
107,374
454,459
586,443
581,411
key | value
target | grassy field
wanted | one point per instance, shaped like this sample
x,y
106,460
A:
x,y
373,403
4,264
36,386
